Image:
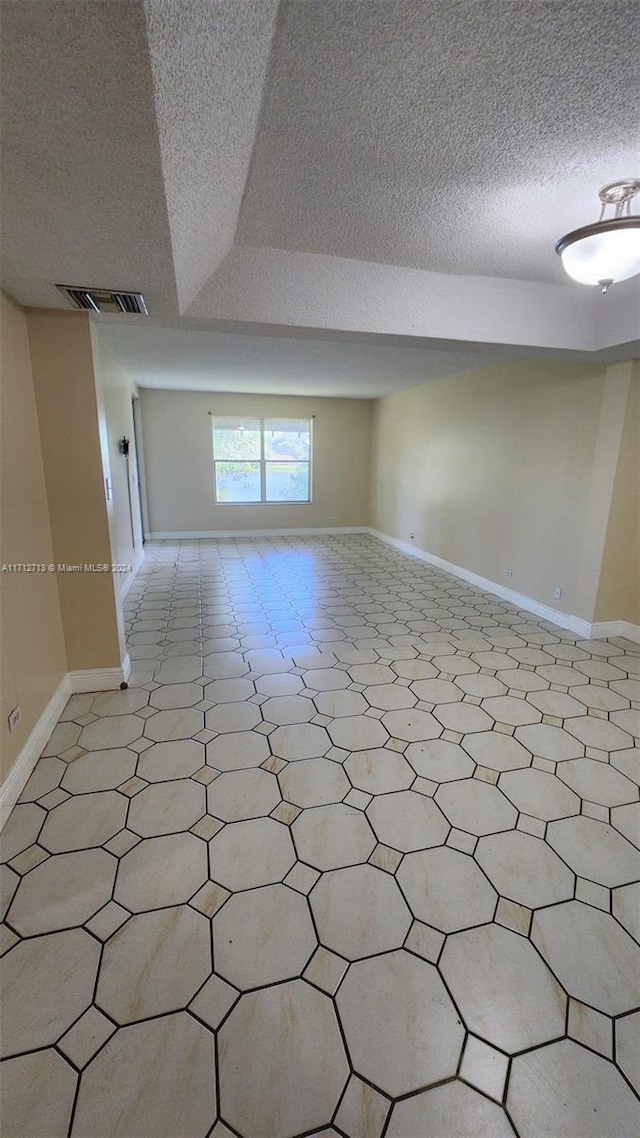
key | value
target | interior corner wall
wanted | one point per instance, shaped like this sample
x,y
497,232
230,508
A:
x,y
491,470
179,462
618,595
33,649
116,391
65,390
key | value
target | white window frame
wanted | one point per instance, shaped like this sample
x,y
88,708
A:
x,y
263,500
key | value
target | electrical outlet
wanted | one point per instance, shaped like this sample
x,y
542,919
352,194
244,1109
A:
x,y
508,572
14,718
557,592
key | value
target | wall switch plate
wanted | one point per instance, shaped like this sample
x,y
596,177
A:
x,y
557,592
508,572
13,718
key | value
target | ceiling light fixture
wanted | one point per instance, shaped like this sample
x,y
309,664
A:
x,y
608,250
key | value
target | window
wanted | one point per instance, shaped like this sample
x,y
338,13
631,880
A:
x,y
262,460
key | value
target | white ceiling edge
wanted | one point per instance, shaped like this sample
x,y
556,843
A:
x,y
347,365
274,286
179,359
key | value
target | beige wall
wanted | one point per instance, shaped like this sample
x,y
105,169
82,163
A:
x,y
64,382
33,651
492,470
115,393
179,462
619,585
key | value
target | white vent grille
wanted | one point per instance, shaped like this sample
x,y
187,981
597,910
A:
x,y
104,300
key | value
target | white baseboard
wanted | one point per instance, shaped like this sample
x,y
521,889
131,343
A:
x,y
100,679
129,578
26,760
606,630
575,624
307,531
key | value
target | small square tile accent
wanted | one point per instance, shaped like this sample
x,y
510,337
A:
x,y
358,799
337,754
301,877
140,745
72,753
265,728
122,842
205,775
595,753
86,1036
504,728
485,774
484,1067
595,810
209,898
325,970
461,840
452,736
214,1000
363,1110
545,765
591,1028
29,859
534,826
285,812
53,798
399,745
424,941
513,916
110,918
322,720
145,712
274,765
132,786
206,827
384,857
205,736
424,786
593,894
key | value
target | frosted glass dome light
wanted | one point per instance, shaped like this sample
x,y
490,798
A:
x,y
608,250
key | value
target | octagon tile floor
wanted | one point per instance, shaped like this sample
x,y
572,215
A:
x,y
355,854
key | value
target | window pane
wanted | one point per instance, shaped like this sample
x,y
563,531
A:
x,y
236,438
287,440
237,481
287,482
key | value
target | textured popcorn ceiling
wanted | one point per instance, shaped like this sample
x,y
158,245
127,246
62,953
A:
x,y
322,168
82,194
461,136
209,61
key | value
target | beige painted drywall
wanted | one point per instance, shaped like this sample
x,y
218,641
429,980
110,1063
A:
x,y
619,585
492,470
116,391
33,650
179,462
64,382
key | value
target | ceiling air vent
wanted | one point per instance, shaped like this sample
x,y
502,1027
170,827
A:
x,y
104,300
